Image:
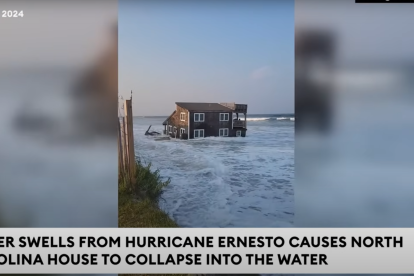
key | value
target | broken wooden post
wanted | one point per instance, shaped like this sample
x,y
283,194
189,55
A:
x,y
147,132
121,158
129,127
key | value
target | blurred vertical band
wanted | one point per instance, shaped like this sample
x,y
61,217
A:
x,y
58,112
313,81
354,114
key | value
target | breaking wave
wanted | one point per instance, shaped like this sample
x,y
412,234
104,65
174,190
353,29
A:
x,y
272,119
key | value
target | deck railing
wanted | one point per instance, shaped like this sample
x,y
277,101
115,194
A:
x,y
240,123
240,108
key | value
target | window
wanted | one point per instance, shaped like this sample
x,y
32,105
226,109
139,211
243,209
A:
x,y
198,133
198,117
182,116
224,116
182,131
169,129
175,130
223,132
238,133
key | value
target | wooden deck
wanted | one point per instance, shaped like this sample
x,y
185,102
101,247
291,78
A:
x,y
239,124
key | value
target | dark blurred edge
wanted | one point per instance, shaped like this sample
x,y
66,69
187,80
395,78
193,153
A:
x,y
314,53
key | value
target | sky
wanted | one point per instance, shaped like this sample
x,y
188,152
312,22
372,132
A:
x,y
206,51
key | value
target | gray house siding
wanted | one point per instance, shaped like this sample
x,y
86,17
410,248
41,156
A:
x,y
211,124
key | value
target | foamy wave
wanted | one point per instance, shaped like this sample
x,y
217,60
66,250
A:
x,y
258,119
286,119
272,118
210,188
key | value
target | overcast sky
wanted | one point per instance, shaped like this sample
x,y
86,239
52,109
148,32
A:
x,y
55,33
207,51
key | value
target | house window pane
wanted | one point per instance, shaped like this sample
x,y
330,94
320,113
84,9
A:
x,y
224,116
196,117
201,117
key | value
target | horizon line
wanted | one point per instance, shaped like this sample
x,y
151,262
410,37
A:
x,y
255,114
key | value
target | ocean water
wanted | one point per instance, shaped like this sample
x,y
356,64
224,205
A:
x,y
226,181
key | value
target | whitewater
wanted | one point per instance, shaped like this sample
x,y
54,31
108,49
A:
x,y
226,181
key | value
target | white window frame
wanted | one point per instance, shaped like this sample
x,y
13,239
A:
x,y
170,128
182,116
223,129
238,133
225,114
199,117
182,130
199,131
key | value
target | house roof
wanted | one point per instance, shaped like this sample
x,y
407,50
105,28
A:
x,y
204,107
166,120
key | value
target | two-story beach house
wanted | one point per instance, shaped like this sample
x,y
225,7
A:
x,y
198,120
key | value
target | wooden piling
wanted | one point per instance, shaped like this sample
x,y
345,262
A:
x,y
126,148
129,126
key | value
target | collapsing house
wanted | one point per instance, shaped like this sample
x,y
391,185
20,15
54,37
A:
x,y
198,120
